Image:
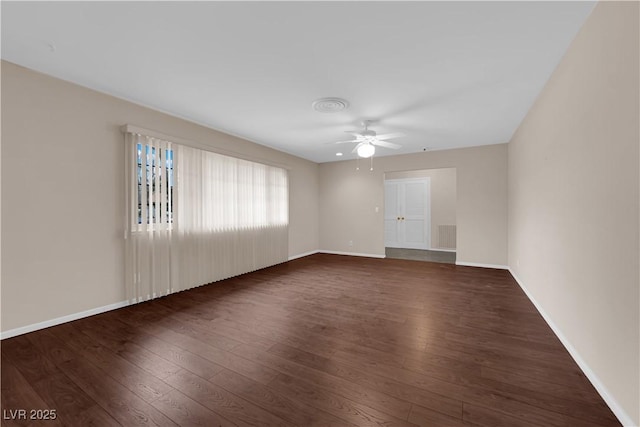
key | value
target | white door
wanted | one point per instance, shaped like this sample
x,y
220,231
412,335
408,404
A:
x,y
391,215
406,213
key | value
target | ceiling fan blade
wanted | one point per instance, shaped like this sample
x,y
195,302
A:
x,y
342,142
390,135
386,144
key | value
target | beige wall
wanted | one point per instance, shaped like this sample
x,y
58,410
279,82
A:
x,y
348,199
442,196
62,187
573,202
573,199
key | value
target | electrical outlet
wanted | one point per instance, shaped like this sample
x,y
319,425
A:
x,y
350,242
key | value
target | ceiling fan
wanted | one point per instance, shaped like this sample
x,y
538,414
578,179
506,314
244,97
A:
x,y
368,140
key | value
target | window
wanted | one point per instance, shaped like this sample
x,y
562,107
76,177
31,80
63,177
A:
x,y
196,217
155,185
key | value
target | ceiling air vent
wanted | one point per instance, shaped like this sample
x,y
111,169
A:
x,y
330,105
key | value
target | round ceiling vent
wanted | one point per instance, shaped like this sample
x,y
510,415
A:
x,y
330,105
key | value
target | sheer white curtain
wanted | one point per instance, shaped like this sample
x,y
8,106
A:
x,y
149,219
232,216
196,217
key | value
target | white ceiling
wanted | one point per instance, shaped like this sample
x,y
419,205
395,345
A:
x,y
446,74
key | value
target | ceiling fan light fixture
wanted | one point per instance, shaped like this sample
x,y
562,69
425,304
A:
x,y
366,150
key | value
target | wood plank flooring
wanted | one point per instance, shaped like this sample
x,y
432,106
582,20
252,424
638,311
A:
x,y
421,255
324,340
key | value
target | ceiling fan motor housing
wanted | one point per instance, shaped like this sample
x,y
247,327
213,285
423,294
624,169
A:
x,y
368,135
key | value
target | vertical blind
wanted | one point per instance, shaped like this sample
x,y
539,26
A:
x,y
195,217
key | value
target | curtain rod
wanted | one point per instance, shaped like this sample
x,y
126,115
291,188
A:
x,y
128,128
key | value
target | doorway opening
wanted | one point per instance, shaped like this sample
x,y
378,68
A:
x,y
420,215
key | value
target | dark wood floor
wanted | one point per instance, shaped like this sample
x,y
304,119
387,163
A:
x,y
421,255
325,340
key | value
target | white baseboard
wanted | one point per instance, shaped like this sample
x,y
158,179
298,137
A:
x,y
617,410
352,254
292,257
64,319
478,264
